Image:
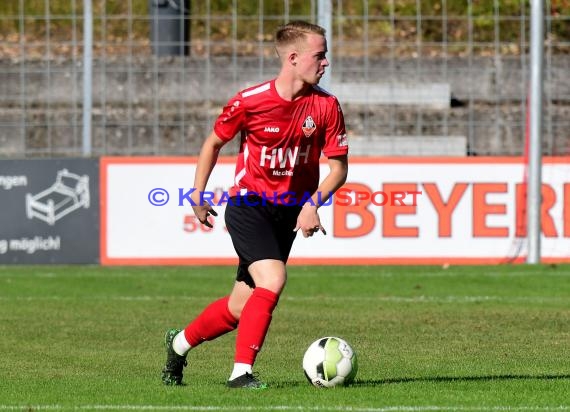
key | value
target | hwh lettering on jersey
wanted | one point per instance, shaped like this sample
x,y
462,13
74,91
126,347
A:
x,y
283,157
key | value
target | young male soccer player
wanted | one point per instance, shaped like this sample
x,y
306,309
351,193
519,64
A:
x,y
285,125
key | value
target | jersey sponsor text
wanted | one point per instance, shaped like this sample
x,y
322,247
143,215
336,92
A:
x,y
287,157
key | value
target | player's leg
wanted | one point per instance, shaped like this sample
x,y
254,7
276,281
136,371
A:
x,y
255,232
215,320
269,277
239,296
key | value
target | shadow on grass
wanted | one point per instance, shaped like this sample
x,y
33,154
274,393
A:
x,y
391,381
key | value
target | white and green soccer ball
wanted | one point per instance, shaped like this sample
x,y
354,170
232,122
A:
x,y
330,361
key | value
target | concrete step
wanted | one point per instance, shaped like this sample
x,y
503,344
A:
x,y
432,95
408,146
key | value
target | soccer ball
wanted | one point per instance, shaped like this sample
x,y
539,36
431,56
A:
x,y
330,361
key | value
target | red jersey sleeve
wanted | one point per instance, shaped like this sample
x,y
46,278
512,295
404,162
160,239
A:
x,y
230,122
336,143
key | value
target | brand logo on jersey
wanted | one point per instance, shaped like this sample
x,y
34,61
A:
x,y
270,129
341,140
282,158
232,109
309,126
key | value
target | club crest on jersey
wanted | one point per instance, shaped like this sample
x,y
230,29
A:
x,y
309,126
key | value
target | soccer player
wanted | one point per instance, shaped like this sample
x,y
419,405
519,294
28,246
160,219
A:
x,y
285,124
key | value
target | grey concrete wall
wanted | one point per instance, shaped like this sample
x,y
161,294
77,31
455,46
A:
x,y
194,80
168,104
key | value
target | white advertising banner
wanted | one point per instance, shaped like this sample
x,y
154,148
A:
x,y
391,210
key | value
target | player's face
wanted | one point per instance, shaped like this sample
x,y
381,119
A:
x,y
312,59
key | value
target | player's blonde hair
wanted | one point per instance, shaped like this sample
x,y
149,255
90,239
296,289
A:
x,y
293,32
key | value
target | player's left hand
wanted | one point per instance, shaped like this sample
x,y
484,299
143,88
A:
x,y
309,222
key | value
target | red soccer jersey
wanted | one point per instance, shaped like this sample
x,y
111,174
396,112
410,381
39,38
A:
x,y
281,141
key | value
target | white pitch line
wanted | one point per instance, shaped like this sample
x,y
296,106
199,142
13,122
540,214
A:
x,y
396,299
397,408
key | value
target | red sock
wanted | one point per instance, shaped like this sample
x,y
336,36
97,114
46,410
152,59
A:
x,y
254,324
214,321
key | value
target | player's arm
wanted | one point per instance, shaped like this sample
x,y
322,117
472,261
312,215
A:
x,y
206,162
308,221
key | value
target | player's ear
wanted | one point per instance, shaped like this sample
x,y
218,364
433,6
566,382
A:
x,y
292,58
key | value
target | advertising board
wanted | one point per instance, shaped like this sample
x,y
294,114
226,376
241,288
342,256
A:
x,y
49,211
391,210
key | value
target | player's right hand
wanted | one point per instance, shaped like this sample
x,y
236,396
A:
x,y
202,211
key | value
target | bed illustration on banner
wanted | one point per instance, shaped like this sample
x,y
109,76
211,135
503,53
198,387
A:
x,y
69,192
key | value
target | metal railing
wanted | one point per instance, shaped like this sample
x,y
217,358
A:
x,y
405,72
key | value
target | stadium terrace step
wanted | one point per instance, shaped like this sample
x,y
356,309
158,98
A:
x,y
433,95
408,145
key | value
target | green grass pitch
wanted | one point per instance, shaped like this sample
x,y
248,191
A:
x,y
471,338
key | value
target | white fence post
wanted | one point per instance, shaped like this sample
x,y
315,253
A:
x,y
87,75
534,199
324,17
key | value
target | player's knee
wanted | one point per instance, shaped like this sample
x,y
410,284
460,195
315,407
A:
x,y
269,274
274,284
